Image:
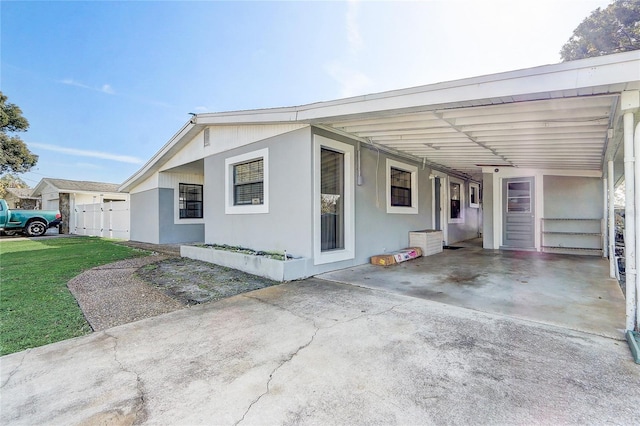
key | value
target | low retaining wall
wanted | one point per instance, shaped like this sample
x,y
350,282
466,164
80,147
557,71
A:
x,y
273,269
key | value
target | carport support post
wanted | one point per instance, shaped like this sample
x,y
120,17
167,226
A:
x,y
612,220
630,221
636,149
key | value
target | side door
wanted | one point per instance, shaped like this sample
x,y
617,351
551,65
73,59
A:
x,y
518,204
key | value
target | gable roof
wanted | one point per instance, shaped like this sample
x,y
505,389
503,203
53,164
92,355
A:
x,y
65,185
553,116
24,193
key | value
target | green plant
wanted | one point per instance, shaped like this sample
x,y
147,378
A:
x,y
36,307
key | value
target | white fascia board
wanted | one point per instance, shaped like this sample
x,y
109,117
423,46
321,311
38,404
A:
x,y
592,72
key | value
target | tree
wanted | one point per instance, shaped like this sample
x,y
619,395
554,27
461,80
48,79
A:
x,y
14,155
10,181
614,29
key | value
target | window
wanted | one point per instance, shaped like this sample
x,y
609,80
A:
x,y
190,199
456,211
247,183
333,201
402,188
456,200
474,195
519,197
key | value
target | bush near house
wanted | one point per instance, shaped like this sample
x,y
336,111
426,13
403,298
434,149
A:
x,y
36,307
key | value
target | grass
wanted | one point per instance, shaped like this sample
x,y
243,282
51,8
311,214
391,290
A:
x,y
36,307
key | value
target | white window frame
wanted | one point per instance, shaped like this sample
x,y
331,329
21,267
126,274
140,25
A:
x,y
475,186
462,200
229,163
413,209
320,257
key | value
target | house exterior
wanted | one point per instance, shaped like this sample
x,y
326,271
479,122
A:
x,y
524,159
66,195
21,198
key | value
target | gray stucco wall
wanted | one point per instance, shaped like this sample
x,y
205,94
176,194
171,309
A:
x,y
289,222
573,197
288,225
170,232
376,230
144,213
487,210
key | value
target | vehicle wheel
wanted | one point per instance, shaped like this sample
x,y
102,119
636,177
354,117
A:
x,y
9,233
35,228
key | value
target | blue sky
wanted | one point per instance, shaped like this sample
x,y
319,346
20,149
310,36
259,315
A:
x,y
105,85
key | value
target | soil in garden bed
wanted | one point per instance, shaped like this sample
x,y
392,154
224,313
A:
x,y
192,282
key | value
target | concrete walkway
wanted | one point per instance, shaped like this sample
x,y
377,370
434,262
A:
x,y
317,352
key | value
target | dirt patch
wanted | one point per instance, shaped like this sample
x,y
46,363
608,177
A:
x,y
191,282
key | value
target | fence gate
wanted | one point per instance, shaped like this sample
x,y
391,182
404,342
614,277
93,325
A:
x,y
102,220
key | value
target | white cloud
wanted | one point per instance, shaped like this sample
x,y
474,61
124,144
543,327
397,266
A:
x,y
353,82
87,153
106,88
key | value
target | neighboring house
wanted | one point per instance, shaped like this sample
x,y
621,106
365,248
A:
x,y
66,195
21,198
517,157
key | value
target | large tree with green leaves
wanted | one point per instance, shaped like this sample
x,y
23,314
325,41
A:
x,y
15,157
613,29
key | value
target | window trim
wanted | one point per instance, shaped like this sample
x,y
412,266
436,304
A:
x,y
201,201
462,200
413,209
476,186
321,257
229,163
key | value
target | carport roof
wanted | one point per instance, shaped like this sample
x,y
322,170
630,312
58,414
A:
x,y
553,117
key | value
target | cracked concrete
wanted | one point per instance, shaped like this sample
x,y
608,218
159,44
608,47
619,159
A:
x,y
317,352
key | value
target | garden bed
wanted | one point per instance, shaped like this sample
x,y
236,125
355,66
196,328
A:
x,y
270,265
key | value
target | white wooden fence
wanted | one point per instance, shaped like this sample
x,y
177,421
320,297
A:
x,y
109,220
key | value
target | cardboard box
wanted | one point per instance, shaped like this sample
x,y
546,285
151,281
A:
x,y
396,257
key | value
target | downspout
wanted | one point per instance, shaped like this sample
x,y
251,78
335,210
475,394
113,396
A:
x,y
612,220
630,222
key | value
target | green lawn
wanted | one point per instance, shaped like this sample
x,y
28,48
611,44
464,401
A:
x,y
36,307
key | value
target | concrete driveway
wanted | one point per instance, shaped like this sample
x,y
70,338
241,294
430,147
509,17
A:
x,y
570,291
316,352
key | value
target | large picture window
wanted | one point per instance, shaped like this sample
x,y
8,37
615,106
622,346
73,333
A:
x,y
247,183
190,199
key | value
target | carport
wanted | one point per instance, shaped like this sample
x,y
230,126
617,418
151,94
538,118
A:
x,y
569,291
563,132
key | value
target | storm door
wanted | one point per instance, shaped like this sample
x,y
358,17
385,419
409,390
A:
x,y
518,214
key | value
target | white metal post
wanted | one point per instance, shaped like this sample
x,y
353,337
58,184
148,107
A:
x,y
604,228
630,222
636,150
612,220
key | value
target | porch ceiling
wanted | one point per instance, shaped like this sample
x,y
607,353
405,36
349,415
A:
x,y
560,133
